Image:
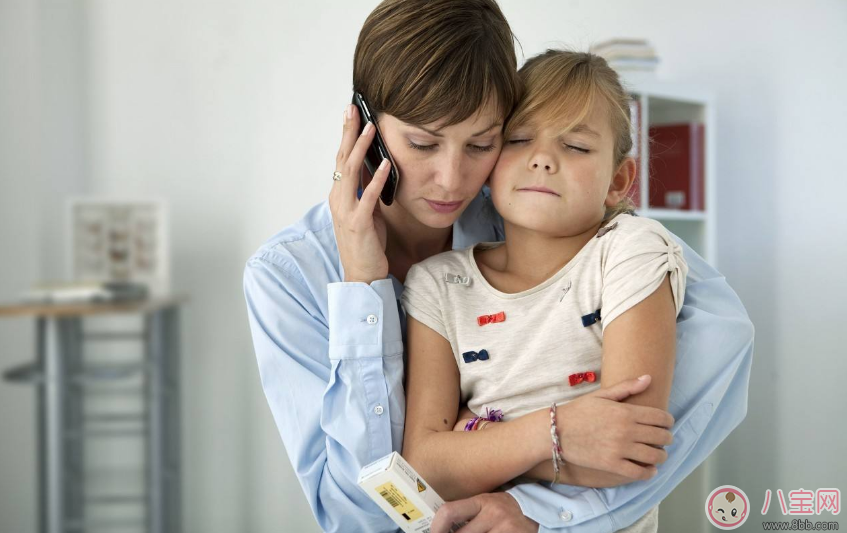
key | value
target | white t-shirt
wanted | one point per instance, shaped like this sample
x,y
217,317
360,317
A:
x,y
529,347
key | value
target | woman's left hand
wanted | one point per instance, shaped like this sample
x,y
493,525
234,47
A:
x,y
496,512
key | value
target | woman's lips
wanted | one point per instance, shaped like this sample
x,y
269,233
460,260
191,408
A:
x,y
444,207
540,189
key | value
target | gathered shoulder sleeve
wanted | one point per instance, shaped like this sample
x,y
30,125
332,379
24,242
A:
x,y
639,254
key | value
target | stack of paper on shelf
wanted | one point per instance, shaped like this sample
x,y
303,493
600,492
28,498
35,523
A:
x,y
628,54
82,292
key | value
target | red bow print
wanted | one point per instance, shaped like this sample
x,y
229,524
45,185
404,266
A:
x,y
488,319
579,377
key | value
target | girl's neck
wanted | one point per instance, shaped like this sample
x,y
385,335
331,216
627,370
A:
x,y
407,240
533,257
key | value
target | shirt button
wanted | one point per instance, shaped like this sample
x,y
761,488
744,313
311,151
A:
x,y
378,409
372,319
566,516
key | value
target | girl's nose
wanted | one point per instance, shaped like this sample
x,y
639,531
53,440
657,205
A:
x,y
543,161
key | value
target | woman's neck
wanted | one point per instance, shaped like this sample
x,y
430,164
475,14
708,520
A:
x,y
409,241
533,257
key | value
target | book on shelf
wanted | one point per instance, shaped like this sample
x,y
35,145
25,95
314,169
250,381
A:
x,y
620,43
635,153
677,163
627,63
623,53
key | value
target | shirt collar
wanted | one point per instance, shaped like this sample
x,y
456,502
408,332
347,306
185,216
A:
x,y
480,222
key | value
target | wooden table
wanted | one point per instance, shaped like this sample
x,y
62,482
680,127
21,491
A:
x,y
61,376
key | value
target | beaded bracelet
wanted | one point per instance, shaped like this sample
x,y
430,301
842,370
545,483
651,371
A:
x,y
492,416
557,449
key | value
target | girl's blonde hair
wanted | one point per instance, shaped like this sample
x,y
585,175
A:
x,y
560,87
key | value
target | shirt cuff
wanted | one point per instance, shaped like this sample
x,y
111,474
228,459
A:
x,y
363,320
560,507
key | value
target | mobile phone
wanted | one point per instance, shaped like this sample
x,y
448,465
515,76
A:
x,y
377,151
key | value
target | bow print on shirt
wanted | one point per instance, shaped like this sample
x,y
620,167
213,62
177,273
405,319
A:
x,y
490,319
579,377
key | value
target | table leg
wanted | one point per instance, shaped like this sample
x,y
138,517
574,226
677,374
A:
x,y
174,426
55,338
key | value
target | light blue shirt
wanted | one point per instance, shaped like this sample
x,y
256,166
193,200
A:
x,y
330,357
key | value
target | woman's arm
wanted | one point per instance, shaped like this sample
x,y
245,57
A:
x,y
323,377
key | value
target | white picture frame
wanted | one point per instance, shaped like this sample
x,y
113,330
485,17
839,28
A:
x,y
118,239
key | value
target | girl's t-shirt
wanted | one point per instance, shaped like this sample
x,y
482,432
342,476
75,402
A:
x,y
520,352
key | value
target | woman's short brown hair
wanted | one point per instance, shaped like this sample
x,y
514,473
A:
x,y
423,61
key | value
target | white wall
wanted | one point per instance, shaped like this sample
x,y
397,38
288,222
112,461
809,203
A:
x,y
42,159
232,112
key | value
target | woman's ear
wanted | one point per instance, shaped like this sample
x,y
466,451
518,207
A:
x,y
621,182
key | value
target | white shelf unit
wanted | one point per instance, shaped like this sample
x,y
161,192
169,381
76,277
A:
x,y
669,103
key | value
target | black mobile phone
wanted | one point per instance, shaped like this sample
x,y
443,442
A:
x,y
377,151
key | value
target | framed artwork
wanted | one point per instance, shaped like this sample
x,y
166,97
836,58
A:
x,y
113,240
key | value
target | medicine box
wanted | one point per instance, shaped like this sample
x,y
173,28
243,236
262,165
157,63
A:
x,y
395,486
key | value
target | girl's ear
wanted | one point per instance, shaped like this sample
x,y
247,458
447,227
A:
x,y
621,182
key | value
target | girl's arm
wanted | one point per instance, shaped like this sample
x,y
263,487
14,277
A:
x,y
640,341
458,464
595,430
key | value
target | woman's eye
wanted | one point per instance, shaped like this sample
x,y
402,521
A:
x,y
422,147
477,148
519,141
734,511
577,149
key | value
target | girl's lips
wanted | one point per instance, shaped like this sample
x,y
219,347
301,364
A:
x,y
443,207
540,189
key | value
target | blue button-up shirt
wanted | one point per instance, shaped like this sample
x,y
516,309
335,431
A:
x,y
330,357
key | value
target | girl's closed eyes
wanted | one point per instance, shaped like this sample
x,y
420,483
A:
x,y
566,145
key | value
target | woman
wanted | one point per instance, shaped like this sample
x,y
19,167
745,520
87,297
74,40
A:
x,y
322,294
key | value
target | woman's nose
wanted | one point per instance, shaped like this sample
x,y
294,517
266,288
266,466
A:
x,y
449,175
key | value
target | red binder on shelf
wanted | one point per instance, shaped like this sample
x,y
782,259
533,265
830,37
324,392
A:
x,y
677,166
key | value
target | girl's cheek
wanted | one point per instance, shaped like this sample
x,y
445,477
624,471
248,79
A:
x,y
496,176
502,164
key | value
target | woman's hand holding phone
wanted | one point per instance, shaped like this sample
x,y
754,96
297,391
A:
x,y
360,230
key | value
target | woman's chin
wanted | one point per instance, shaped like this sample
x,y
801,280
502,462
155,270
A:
x,y
438,220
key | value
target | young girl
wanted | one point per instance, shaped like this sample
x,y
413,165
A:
x,y
581,293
